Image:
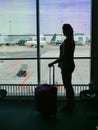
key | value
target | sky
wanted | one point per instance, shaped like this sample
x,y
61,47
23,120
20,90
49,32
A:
x,y
19,16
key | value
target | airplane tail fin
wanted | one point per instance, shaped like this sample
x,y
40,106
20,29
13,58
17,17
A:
x,y
53,38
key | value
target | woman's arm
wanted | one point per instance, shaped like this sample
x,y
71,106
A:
x,y
54,62
65,49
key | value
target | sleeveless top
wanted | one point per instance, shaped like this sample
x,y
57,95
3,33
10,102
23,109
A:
x,y
67,64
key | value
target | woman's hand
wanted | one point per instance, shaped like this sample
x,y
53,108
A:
x,y
50,65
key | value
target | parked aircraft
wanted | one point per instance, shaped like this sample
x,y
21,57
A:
x,y
80,39
53,39
56,39
33,42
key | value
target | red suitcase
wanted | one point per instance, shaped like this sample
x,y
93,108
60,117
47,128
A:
x,y
46,97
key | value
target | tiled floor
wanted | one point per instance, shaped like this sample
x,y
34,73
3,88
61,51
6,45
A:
x,y
22,115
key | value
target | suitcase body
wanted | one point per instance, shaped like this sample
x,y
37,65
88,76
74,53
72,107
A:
x,y
46,99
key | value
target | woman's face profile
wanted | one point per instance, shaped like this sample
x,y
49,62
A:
x,y
64,32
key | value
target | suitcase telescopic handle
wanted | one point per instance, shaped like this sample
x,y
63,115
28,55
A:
x,y
50,69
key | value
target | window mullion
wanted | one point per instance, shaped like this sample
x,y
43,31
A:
x,y
38,40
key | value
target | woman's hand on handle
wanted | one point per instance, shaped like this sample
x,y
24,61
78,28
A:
x,y
50,64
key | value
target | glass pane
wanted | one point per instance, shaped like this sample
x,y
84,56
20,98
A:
x,y
81,74
77,13
17,28
17,33
52,16
18,72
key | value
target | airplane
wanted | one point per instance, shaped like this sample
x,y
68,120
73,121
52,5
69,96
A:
x,y
80,39
33,42
56,39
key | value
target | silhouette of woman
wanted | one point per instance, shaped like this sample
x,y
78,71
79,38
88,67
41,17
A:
x,y
66,63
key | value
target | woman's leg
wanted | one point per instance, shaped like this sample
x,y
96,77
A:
x,y
69,89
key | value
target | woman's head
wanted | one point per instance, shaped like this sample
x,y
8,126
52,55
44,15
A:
x,y
67,30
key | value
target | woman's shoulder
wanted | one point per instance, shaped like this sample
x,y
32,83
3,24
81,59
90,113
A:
x,y
66,42
69,41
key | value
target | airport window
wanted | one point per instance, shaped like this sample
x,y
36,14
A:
x,y
53,13
17,32
18,39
